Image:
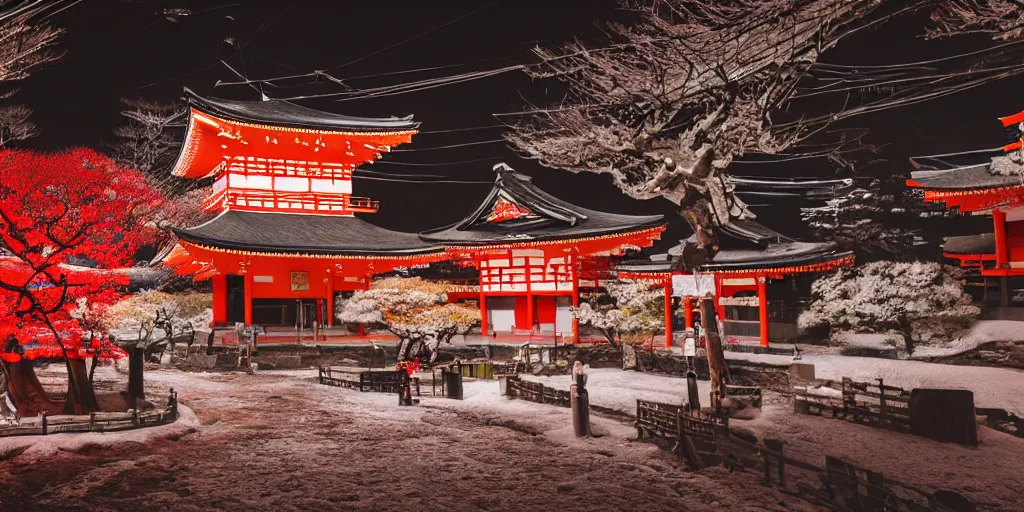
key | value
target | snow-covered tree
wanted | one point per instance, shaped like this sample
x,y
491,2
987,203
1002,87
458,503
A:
x,y
877,222
919,299
629,309
415,310
147,141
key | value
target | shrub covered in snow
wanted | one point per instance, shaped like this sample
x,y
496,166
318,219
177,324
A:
x,y
415,310
633,310
142,308
922,300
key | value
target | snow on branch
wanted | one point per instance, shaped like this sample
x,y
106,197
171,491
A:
x,y
630,309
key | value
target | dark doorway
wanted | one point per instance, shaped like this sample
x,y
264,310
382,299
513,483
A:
x,y
236,298
286,312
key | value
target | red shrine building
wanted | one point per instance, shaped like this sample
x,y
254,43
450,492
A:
x,y
982,182
285,238
739,277
534,251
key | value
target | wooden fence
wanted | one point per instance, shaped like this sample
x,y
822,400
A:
x,y
862,402
537,392
707,441
379,381
95,422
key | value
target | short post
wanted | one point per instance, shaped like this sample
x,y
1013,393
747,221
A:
x,y
774,445
579,401
92,420
692,391
173,398
135,417
42,419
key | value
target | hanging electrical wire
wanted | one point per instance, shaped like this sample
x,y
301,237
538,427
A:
x,y
469,129
437,164
450,146
400,180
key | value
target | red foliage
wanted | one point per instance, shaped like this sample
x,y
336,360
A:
x,y
55,207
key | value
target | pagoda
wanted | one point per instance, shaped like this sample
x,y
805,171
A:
x,y
531,250
285,238
982,182
749,258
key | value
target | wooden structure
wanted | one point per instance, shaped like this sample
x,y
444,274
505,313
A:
x,y
93,422
751,256
285,238
530,249
982,182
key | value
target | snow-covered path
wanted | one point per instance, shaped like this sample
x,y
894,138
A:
x,y
993,387
277,441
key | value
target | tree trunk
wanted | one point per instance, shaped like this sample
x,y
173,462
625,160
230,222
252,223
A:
x,y
716,357
81,397
26,391
136,359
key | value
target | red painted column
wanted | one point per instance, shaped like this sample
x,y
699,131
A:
x,y
1002,251
668,314
529,311
220,298
762,306
688,312
330,300
575,298
248,298
483,306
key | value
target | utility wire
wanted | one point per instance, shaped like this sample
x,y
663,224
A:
x,y
472,128
462,145
466,182
437,164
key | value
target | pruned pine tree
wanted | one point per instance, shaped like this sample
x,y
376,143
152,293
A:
x,y
633,308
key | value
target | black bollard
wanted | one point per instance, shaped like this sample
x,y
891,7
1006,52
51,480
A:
x,y
579,402
691,387
453,381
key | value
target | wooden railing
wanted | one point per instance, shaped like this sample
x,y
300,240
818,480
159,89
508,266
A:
x,y
862,402
537,392
96,422
379,381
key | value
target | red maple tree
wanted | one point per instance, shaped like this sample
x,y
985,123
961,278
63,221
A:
x,y
58,212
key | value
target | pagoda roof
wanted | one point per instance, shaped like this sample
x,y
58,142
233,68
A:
x,y
290,115
745,245
517,211
789,188
960,171
303,234
971,244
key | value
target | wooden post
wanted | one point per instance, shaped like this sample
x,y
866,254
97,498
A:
x,y
248,297
762,308
529,305
1004,292
330,300
688,312
42,419
668,313
362,330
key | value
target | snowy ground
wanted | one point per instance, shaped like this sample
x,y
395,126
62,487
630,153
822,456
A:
x,y
277,441
990,475
993,387
985,331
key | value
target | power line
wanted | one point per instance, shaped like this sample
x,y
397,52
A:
x,y
417,36
472,128
438,164
465,182
462,145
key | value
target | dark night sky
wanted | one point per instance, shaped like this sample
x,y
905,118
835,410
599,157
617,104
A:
x,y
125,49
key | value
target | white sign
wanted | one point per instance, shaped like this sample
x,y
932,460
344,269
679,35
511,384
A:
x,y
687,285
690,347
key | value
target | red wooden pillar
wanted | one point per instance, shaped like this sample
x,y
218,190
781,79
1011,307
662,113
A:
x,y
574,272
1002,252
668,313
248,298
688,312
483,309
330,299
362,330
762,306
220,298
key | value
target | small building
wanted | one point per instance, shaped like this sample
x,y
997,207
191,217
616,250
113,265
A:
x,y
285,238
531,250
982,182
749,259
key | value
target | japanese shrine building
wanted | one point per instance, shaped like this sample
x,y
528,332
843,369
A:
x,y
285,238
534,250
750,257
982,182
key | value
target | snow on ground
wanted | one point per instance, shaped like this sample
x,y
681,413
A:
x,y
872,340
985,331
619,390
993,387
278,441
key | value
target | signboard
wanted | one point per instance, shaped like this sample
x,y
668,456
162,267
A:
x,y
690,347
300,281
690,286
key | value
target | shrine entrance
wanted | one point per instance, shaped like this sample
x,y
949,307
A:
x,y
295,313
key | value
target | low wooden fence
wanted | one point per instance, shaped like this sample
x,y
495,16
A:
x,y
95,422
379,381
862,402
838,485
537,392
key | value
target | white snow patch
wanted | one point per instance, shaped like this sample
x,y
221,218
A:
x,y
619,390
985,331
